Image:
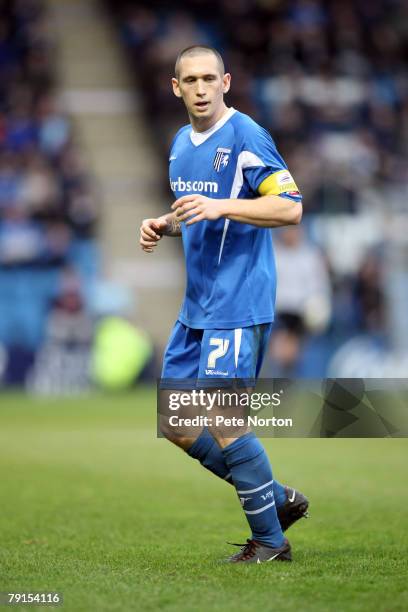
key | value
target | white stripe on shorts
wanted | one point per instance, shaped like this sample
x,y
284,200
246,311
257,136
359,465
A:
x,y
237,343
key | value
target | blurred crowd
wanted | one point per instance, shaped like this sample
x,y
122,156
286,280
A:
x,y
47,202
328,78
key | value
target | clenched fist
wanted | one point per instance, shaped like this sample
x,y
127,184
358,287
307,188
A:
x,y
151,231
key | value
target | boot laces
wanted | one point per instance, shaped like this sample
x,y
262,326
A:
x,y
247,551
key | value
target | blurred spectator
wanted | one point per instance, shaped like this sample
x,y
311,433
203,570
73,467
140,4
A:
x,y
39,187
54,128
21,239
303,289
303,300
69,322
62,363
369,296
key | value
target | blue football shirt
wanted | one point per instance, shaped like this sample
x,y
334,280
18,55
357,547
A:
x,y
231,276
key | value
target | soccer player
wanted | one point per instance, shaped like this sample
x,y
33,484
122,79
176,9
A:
x,y
231,185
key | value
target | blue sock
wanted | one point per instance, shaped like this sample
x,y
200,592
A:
x,y
279,493
252,477
208,453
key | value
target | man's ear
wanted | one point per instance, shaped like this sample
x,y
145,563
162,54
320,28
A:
x,y
226,82
176,88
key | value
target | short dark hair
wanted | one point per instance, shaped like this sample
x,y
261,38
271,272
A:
x,y
198,50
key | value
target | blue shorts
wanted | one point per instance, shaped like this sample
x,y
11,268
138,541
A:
x,y
214,354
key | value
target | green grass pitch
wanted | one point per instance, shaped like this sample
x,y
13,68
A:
x,y
95,506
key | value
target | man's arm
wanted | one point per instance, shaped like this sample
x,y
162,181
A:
x,y
266,211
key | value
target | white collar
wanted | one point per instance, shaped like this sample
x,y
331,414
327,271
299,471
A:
x,y
198,138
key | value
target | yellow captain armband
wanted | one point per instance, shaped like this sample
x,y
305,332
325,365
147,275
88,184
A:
x,y
277,183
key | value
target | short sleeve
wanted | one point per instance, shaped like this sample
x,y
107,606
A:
x,y
265,171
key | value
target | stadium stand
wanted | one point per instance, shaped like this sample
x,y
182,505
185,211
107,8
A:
x,y
48,210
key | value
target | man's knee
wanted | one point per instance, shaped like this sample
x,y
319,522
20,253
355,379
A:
x,y
177,426
177,437
224,436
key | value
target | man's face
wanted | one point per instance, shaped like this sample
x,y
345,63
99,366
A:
x,y
201,85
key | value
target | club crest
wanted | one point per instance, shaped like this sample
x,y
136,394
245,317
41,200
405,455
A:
x,y
221,159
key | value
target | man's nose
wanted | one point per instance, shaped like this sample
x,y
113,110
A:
x,y
200,88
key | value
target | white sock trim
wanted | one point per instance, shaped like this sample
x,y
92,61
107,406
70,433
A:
x,y
257,489
260,509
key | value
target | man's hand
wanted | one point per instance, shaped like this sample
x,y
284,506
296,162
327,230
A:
x,y
151,231
196,208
